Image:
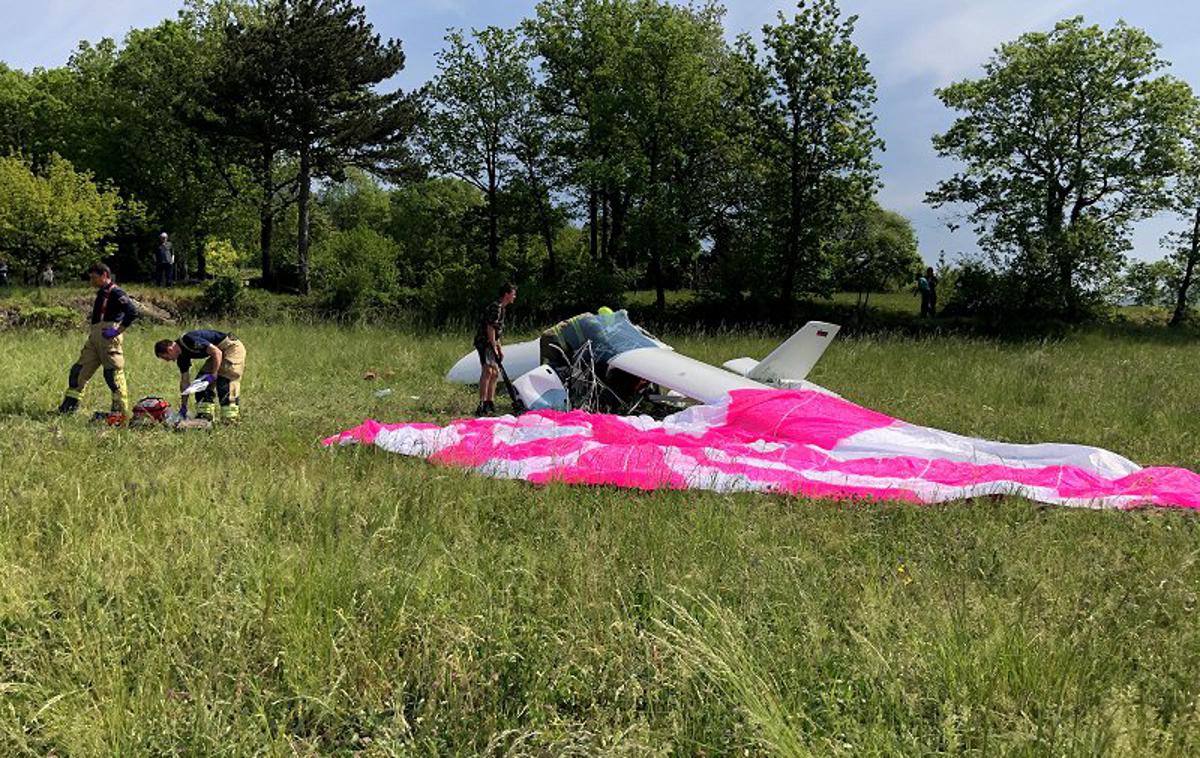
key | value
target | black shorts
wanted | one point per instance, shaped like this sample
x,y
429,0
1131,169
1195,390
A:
x,y
487,356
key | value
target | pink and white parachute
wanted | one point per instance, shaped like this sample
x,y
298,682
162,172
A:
x,y
788,441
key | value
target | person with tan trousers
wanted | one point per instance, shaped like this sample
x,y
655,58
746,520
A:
x,y
224,359
112,313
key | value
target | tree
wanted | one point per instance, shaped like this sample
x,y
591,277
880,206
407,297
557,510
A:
x,y
243,106
333,62
57,217
816,131
632,88
481,87
673,100
1185,243
1148,283
876,251
311,70
1067,139
532,144
358,201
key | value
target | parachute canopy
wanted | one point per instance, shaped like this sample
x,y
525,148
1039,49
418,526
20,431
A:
x,y
788,441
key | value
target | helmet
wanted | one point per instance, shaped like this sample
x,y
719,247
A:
x,y
604,311
151,408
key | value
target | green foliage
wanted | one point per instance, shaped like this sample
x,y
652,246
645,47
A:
x,y
55,317
815,126
876,251
222,296
356,270
431,221
1149,283
357,201
1067,138
470,131
54,217
223,259
632,87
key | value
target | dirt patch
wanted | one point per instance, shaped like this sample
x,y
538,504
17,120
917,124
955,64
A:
x,y
151,310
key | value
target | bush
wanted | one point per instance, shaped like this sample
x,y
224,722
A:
x,y
355,271
223,295
221,258
48,317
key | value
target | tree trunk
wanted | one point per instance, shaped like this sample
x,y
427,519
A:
x,y
266,218
605,205
593,232
493,222
787,288
1056,247
201,260
265,233
543,200
617,238
304,189
1189,271
656,273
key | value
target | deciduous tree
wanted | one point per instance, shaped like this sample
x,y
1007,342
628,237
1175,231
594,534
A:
x,y
1067,138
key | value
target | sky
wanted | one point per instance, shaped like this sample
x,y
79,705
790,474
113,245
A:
x,y
914,47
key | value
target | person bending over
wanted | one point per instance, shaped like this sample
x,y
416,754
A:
x,y
224,359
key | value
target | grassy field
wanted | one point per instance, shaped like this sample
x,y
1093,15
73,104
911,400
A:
x,y
245,591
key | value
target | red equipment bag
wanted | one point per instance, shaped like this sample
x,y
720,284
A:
x,y
151,408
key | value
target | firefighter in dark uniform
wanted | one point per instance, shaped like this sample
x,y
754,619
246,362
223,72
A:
x,y
224,359
112,313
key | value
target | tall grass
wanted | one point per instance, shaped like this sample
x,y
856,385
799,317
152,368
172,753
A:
x,y
246,591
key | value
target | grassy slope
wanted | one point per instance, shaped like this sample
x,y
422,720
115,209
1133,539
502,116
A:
x,y
246,590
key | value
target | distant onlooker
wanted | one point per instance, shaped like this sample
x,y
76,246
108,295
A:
x,y
45,277
927,285
3,273
164,262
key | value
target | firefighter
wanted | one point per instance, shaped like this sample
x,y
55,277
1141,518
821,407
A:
x,y
112,313
224,359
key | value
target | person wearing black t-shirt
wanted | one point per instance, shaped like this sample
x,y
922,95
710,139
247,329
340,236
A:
x,y
224,359
488,334
112,313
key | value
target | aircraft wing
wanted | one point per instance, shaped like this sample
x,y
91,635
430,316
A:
x,y
693,378
519,359
687,376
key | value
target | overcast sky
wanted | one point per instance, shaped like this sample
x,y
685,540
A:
x,y
914,46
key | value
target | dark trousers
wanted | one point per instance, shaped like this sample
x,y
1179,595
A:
x,y
928,304
165,274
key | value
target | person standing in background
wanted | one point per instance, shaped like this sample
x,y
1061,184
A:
x,y
164,262
927,285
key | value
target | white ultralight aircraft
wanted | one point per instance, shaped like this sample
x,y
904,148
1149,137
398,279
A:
x,y
787,366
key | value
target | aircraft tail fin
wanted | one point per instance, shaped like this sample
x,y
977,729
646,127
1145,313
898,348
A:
x,y
791,361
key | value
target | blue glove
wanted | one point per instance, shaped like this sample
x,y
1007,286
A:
x,y
110,332
207,378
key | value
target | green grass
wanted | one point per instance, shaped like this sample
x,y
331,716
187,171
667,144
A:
x,y
246,591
